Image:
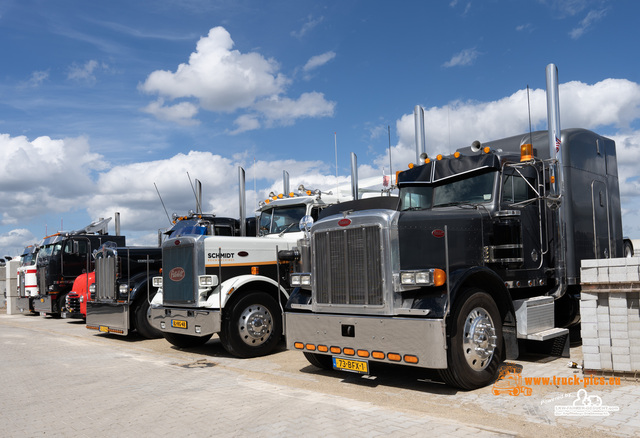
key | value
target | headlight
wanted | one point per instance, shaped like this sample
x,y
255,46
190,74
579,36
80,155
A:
x,y
300,280
92,288
157,281
123,289
207,280
430,277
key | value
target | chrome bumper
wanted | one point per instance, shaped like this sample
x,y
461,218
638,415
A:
x,y
423,338
193,322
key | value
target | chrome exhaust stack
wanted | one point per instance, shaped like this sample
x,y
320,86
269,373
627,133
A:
x,y
421,151
117,223
198,197
558,195
242,202
354,176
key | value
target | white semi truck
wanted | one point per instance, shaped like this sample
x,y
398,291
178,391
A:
x,y
229,285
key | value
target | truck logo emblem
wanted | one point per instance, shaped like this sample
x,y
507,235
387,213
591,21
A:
x,y
344,222
176,274
437,233
243,253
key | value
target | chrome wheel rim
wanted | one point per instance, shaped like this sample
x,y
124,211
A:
x,y
255,325
479,342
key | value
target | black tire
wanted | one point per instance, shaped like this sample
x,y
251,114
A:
x,y
628,249
321,361
141,319
252,325
475,322
186,341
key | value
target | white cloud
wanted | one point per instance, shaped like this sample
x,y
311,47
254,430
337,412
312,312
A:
x,y
181,113
13,242
85,73
285,111
318,61
587,23
245,122
465,57
36,79
310,24
44,175
219,78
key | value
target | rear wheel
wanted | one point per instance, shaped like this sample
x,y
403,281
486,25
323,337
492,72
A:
x,y
475,349
253,325
186,341
143,325
322,361
628,249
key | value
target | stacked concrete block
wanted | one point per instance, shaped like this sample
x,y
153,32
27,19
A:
x,y
610,314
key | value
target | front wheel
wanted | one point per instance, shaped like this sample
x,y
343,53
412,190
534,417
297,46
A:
x,y
475,349
628,249
186,341
143,325
252,326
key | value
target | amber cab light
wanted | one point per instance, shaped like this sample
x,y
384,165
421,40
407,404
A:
x,y
526,152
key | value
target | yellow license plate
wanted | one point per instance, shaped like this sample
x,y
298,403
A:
x,y
356,366
104,329
178,323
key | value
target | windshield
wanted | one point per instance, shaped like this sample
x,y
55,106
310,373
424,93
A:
x,y
474,190
28,259
47,250
279,219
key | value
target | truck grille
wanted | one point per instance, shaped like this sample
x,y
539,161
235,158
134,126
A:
x,y
182,291
105,278
349,266
73,303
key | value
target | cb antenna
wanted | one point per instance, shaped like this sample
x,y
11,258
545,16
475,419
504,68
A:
x,y
390,168
529,107
162,202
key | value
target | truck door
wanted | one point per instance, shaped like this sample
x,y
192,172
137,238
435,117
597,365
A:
x,y
75,257
599,203
519,195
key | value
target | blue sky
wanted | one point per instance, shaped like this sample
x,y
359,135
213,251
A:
x,y
100,100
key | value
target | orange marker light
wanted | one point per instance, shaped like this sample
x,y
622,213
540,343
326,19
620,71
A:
x,y
439,157
323,348
349,351
487,149
410,165
456,154
377,355
409,358
363,353
311,347
394,357
298,345
255,270
427,160
335,350
439,277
